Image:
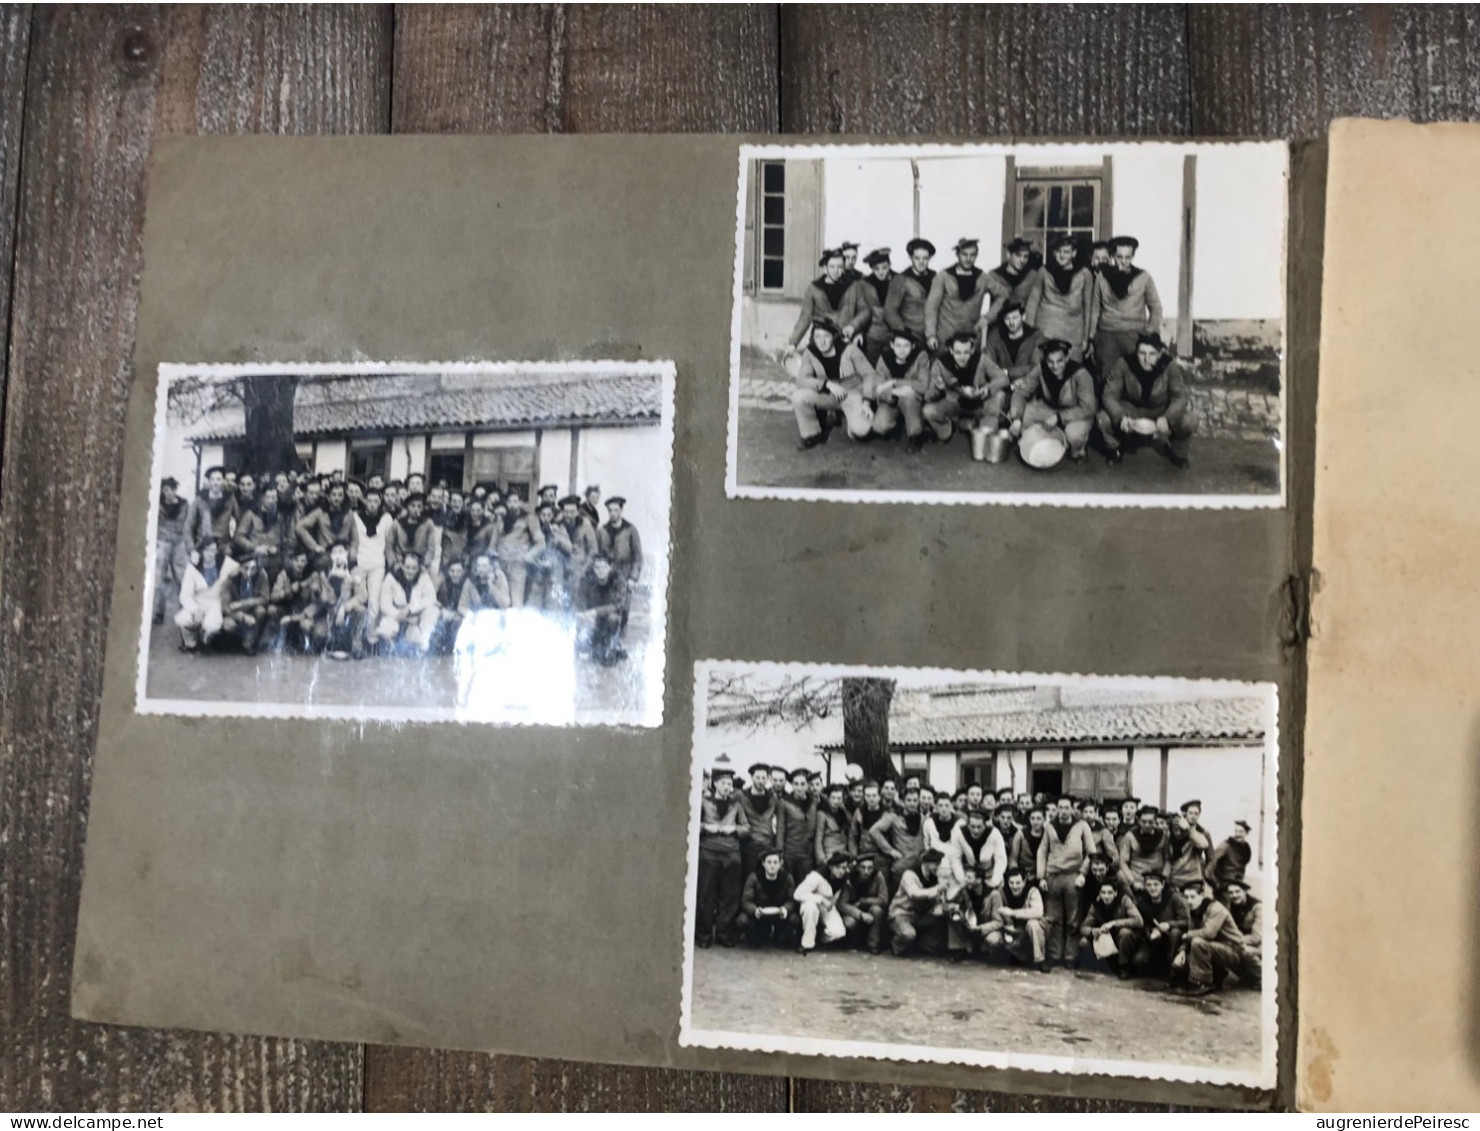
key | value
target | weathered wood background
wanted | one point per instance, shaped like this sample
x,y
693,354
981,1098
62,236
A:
x,y
85,91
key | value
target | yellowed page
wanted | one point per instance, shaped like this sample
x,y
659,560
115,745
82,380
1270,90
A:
x,y
1389,898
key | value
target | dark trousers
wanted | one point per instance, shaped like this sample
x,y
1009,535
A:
x,y
719,896
444,636
1110,347
868,934
602,637
346,636
1154,956
246,627
1127,943
910,931
1209,961
1060,911
1180,430
771,930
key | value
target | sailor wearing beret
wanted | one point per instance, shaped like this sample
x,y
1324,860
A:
x,y
1147,401
1060,395
901,384
618,540
850,261
1013,347
834,374
874,286
1062,297
908,293
1013,280
832,295
1125,305
960,386
955,302
580,532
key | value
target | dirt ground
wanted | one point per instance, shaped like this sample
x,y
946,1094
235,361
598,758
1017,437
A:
x,y
226,675
847,995
768,457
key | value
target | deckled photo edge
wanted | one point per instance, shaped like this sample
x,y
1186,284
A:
x,y
168,372
1273,500
1265,1077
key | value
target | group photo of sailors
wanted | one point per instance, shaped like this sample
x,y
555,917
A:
x,y
325,564
788,860
1049,356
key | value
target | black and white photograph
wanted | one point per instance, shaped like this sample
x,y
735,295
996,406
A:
x,y
1068,324
461,542
1048,872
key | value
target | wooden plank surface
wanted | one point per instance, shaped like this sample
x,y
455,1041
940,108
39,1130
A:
x,y
102,84
95,86
1287,70
1010,70
577,69
15,41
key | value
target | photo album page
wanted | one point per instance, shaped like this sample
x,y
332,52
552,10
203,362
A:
x,y
716,603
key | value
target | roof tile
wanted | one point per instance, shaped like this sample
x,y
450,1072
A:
x,y
414,401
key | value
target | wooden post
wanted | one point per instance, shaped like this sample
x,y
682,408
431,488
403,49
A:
x,y
1184,276
1166,759
1009,203
1107,200
575,459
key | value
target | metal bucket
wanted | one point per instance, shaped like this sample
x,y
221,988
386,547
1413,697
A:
x,y
999,446
980,435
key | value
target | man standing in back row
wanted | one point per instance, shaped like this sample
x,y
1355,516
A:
x,y
955,302
1125,306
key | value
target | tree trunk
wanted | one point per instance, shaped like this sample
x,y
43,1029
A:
x,y
268,402
866,725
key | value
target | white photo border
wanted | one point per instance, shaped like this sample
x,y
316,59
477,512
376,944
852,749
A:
x,y
1264,1077
736,490
655,677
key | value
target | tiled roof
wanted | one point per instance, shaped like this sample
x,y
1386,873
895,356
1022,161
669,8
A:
x,y
412,402
1194,721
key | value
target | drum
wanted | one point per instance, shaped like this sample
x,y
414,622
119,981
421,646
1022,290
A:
x,y
1042,447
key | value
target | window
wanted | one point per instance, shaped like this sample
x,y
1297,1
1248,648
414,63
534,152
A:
x,y
771,225
504,470
1100,783
1048,207
447,467
1047,780
914,764
978,769
368,457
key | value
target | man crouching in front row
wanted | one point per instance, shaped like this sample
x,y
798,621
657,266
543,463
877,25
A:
x,y
1014,918
1147,400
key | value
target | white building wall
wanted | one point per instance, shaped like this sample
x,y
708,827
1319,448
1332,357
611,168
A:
x,y
962,196
177,461
941,772
870,202
1238,258
1228,781
330,455
449,441
1146,775
1147,203
1012,771
630,462
555,459
402,462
